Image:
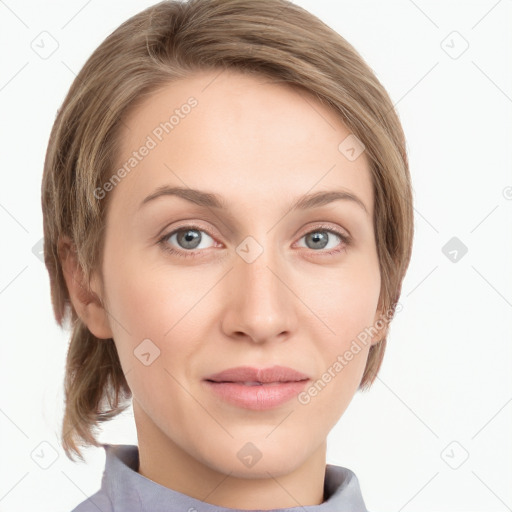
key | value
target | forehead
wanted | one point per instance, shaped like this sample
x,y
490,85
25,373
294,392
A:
x,y
233,133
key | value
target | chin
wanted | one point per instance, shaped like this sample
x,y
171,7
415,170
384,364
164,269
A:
x,y
257,457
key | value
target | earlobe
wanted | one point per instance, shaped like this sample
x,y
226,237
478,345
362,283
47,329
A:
x,y
86,300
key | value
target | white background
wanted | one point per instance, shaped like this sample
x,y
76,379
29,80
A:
x,y
446,375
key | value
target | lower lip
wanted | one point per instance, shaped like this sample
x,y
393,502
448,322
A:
x,y
266,396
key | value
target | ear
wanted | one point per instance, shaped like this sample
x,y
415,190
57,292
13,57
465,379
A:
x,y
84,297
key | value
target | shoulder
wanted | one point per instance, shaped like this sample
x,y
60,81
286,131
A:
x,y
98,502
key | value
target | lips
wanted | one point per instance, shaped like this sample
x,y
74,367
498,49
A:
x,y
251,376
256,388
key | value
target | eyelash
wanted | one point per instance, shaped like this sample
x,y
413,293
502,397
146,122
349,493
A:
x,y
346,240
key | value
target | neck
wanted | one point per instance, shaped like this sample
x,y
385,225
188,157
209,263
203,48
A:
x,y
163,461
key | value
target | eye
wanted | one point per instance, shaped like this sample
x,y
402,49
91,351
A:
x,y
326,241
188,239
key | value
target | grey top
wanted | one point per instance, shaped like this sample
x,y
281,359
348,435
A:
x,y
123,489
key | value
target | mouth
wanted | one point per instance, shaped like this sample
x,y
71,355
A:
x,y
255,383
257,389
257,376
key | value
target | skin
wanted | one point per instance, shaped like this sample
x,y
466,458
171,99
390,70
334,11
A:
x,y
259,145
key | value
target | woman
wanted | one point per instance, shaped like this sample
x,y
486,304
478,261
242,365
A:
x,y
228,220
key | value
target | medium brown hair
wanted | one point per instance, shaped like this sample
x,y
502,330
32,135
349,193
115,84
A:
x,y
171,40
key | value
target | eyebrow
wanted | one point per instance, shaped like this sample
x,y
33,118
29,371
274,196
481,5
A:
x,y
210,200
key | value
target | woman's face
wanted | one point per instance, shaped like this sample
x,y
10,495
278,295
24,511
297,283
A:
x,y
251,281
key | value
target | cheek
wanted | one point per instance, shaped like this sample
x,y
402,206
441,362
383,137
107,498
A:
x,y
345,299
154,302
347,309
148,297
346,303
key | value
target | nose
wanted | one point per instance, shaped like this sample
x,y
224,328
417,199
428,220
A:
x,y
260,305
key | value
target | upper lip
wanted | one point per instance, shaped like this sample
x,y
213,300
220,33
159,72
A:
x,y
250,374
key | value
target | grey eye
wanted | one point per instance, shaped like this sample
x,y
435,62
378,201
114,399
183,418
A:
x,y
320,238
189,238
